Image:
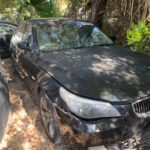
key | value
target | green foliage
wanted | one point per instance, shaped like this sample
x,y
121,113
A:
x,y
139,36
45,8
18,10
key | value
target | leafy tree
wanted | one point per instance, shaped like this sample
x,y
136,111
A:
x,y
100,8
45,8
92,10
139,36
19,10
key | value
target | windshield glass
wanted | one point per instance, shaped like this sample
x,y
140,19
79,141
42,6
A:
x,y
6,29
70,35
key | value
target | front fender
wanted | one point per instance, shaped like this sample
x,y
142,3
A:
x,y
47,83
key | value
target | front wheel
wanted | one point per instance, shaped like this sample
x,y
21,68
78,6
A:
x,y
49,118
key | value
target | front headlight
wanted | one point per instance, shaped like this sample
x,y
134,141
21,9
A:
x,y
88,109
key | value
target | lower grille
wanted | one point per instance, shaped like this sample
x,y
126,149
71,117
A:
x,y
142,106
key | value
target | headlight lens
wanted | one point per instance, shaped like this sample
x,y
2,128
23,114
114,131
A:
x,y
88,109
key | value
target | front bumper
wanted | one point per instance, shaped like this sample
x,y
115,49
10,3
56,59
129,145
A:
x,y
92,126
94,133
111,129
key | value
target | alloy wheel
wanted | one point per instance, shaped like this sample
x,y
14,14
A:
x,y
49,120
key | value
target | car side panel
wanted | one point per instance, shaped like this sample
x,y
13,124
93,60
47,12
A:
x,y
4,106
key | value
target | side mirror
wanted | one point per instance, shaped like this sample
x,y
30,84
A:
x,y
24,46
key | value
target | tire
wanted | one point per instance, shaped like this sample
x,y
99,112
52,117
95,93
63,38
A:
x,y
49,118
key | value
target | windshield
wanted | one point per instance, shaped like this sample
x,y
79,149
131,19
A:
x,y
6,29
70,35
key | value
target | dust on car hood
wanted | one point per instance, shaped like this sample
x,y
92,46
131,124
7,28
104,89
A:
x,y
100,72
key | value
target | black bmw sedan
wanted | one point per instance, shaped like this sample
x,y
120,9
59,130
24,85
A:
x,y
76,72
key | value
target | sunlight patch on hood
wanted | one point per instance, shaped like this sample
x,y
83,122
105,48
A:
x,y
132,77
106,65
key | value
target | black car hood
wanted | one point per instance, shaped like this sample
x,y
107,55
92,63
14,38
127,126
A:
x,y
100,72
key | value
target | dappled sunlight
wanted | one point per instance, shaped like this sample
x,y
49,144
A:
x,y
5,71
24,130
107,65
107,69
115,67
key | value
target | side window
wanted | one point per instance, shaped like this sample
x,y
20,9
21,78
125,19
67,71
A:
x,y
27,36
30,40
6,29
17,37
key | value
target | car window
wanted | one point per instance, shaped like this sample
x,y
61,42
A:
x,y
17,36
49,37
7,29
70,35
27,35
23,34
29,40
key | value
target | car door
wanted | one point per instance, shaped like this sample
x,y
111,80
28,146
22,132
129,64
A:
x,y
28,57
16,38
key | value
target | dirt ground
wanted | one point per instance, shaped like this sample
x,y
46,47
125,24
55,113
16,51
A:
x,y
24,131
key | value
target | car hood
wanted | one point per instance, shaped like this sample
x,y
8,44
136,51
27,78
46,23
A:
x,y
100,72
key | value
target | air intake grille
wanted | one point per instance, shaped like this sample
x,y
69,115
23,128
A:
x,y
142,106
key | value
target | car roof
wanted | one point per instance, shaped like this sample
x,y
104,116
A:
x,y
54,19
8,23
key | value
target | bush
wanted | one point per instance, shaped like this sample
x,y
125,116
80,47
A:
x,y
138,36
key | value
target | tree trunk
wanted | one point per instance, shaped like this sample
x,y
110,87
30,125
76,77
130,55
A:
x,y
147,2
100,8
